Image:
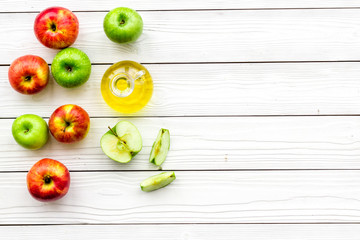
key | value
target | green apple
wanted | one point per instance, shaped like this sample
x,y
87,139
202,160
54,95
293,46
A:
x,y
158,181
122,142
30,131
71,67
123,25
160,147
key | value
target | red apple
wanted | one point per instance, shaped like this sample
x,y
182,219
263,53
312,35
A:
x,y
48,180
56,27
28,74
69,123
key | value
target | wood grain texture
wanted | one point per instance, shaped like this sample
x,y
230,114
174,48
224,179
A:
x,y
196,52
105,5
204,36
184,232
209,143
211,89
194,197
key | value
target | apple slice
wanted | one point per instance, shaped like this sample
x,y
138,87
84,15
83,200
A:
x,y
130,135
160,147
158,181
122,142
114,149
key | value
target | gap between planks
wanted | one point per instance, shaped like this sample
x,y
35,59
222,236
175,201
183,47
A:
x,y
202,170
176,223
207,10
204,63
212,116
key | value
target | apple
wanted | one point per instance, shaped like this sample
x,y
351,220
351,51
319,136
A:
x,y
122,142
56,27
28,74
160,147
123,25
71,67
30,131
69,123
158,181
48,180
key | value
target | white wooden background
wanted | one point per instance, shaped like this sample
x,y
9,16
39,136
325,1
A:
x,y
262,99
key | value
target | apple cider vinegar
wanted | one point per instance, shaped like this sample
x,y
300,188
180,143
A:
x,y
127,86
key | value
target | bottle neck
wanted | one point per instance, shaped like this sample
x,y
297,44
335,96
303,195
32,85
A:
x,y
122,85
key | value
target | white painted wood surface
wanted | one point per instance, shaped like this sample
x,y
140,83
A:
x,y
194,197
188,231
216,143
215,89
219,68
106,5
194,232
204,36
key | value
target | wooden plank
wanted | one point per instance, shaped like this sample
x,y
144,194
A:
x,y
208,143
194,197
211,89
105,5
194,232
199,36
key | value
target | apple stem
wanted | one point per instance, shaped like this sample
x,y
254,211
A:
x,y
47,179
113,131
53,27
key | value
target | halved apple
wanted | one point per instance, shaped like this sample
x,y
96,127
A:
x,y
160,147
122,142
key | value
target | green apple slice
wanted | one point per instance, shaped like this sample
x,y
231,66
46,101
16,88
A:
x,y
122,142
114,149
130,135
160,147
158,181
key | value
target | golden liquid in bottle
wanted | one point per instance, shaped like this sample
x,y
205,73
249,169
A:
x,y
127,86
